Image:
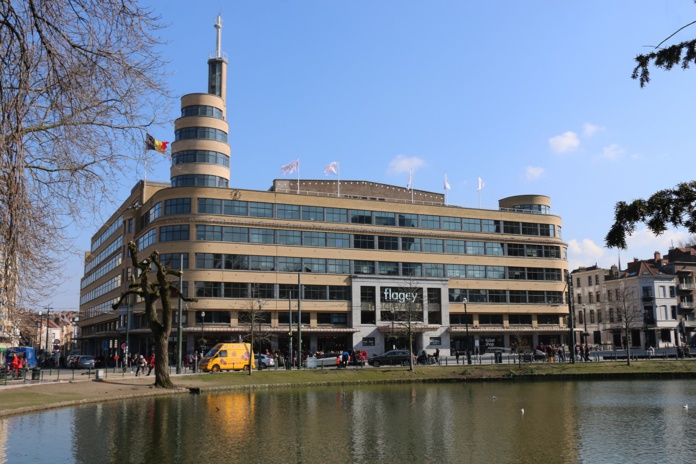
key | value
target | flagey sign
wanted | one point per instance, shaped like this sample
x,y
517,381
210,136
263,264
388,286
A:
x,y
392,296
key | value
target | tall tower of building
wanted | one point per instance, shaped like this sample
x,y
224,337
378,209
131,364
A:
x,y
200,152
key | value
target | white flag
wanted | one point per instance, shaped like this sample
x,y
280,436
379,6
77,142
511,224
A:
x,y
480,184
447,185
291,167
332,167
410,180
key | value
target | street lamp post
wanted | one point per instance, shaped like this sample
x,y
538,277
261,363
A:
x,y
180,327
468,340
126,352
584,316
202,332
571,319
290,328
48,316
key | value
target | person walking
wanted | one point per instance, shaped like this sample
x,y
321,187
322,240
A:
x,y
437,355
150,363
141,363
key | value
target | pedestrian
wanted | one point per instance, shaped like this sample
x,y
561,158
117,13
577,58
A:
x,y
437,355
150,363
141,363
587,353
346,357
456,355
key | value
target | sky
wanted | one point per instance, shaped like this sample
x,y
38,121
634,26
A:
x,y
532,97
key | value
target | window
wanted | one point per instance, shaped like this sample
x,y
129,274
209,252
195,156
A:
x,y
475,272
497,296
520,319
611,314
260,209
530,229
336,215
596,279
173,260
515,249
146,240
494,249
314,265
364,267
517,273
177,206
287,211
450,223
547,319
408,220
332,318
360,216
429,222
491,319
386,268
261,236
289,237
367,295
432,245
387,243
671,291
511,227
475,248
339,293
317,239
455,246
592,318
433,270
457,295
410,244
337,240
315,292
338,266
597,297
589,280
384,219
579,298
262,263
286,292
312,213
412,269
471,225
489,226
174,233
599,316
591,297
364,241
495,272
287,264
457,271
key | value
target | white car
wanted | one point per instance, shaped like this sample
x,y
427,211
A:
x,y
263,361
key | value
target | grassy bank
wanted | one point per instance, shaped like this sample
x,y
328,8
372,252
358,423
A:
x,y
27,398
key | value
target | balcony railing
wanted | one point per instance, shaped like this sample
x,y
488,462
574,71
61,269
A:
x,y
687,305
686,286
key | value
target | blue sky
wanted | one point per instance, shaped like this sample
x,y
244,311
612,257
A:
x,y
533,97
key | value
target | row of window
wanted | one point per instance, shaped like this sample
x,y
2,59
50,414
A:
x,y
270,291
107,233
619,294
200,156
109,266
108,286
199,180
344,266
339,240
208,133
201,110
105,253
379,218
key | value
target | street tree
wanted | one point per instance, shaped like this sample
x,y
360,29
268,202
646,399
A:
x,y
253,318
161,290
629,315
80,81
406,313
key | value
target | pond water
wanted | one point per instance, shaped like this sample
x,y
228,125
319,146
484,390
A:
x,y
588,421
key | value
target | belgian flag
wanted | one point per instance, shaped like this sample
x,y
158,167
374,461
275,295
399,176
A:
x,y
152,143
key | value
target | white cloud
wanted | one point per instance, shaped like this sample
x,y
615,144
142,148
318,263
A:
x,y
402,163
613,152
584,253
568,141
533,172
589,129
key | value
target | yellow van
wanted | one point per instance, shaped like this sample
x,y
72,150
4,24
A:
x,y
227,357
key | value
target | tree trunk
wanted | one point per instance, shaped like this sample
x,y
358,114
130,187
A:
x,y
161,359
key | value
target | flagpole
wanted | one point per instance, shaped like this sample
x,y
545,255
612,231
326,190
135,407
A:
x,y
298,176
338,175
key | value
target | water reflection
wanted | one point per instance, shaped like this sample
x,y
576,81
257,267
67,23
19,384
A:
x,y
563,422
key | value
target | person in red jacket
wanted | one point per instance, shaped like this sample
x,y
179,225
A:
x,y
15,365
150,363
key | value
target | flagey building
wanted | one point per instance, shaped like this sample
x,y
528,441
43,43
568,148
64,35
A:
x,y
347,265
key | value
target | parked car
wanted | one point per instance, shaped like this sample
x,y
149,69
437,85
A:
x,y
323,360
392,358
264,362
82,362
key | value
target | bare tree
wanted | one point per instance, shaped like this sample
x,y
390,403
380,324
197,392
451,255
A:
x,y
162,290
629,315
254,316
406,312
80,80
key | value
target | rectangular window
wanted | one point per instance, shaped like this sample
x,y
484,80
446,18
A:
x,y
478,296
517,273
312,213
408,220
412,269
471,225
456,271
338,266
432,245
287,264
315,239
410,244
364,241
264,291
237,234
457,295
451,223
433,270
590,297
148,239
589,280
236,262
208,233
364,267
368,341
339,293
368,295
262,236
387,243
514,249
494,249
489,226
530,229
314,265
536,297
336,215
435,341
520,319
475,271
497,296
177,206
360,216
173,260
287,292
262,263
511,227
289,237
429,222
384,219
236,290
174,233
534,251
337,240
386,268
455,246
287,211
315,292
518,296
495,272
332,318
491,319
235,208
260,209
209,206
547,319
475,248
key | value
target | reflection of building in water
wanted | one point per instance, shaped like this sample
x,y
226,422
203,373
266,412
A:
x,y
230,411
4,434
355,255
